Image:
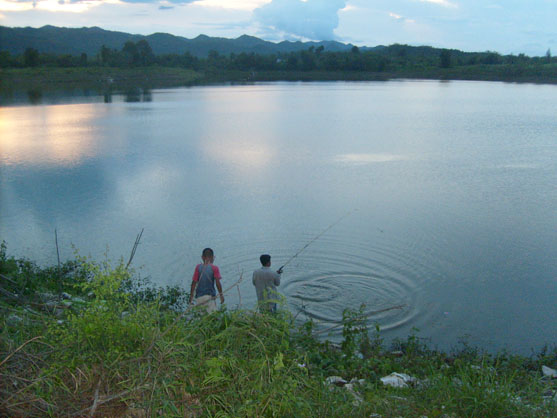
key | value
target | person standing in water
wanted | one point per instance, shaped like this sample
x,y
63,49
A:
x,y
204,279
266,281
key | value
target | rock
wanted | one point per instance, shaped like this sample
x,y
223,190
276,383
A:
x,y
45,297
77,300
399,380
51,304
550,397
14,320
135,413
357,398
397,353
336,380
549,372
60,322
66,295
67,303
397,398
357,381
333,381
375,416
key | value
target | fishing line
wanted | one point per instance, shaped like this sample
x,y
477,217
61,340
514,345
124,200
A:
x,y
316,238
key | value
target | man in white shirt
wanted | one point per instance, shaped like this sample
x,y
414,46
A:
x,y
266,281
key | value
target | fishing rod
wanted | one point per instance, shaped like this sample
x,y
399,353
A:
x,y
315,239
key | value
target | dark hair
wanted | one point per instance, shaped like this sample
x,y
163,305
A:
x,y
207,252
265,259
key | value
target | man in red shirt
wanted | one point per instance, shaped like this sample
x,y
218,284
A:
x,y
204,279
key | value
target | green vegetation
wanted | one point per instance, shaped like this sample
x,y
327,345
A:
x,y
119,346
136,65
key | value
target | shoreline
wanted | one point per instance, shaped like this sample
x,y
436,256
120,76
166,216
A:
x,y
92,339
55,78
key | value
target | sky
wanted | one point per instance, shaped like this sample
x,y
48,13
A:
x,y
504,26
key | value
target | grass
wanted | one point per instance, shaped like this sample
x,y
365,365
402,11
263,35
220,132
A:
x,y
98,78
121,79
119,347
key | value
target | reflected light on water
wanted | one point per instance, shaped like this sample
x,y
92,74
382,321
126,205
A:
x,y
244,155
53,135
368,158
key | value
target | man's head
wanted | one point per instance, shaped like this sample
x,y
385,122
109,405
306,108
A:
x,y
208,255
265,260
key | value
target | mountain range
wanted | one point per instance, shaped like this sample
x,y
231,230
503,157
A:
x,y
75,41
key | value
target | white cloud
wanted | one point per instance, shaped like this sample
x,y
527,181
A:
x,y
232,4
443,3
309,19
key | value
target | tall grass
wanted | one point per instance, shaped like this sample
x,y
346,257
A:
x,y
126,350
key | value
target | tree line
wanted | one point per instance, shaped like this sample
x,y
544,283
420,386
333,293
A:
x,y
391,58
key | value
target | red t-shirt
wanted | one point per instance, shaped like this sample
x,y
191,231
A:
x,y
216,272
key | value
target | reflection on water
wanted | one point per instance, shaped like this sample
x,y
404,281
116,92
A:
x,y
454,185
366,158
58,135
136,94
35,96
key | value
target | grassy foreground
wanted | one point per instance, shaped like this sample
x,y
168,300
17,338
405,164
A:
x,y
90,339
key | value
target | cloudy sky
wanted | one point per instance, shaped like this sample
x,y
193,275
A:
x,y
505,26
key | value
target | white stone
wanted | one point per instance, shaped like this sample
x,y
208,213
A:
x,y
549,372
355,381
398,380
336,380
13,320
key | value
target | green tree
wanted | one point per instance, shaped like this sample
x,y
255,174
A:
x,y
445,58
65,60
548,56
83,59
146,55
5,59
106,55
31,57
131,54
307,59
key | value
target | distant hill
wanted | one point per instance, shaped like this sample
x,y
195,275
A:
x,y
74,41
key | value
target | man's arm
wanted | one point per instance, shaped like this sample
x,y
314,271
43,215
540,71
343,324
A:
x,y
192,291
194,281
276,279
219,288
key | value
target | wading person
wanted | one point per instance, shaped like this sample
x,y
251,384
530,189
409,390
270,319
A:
x,y
266,281
205,277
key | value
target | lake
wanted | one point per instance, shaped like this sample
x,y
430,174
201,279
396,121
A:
x,y
438,196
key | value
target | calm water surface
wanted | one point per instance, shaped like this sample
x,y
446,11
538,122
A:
x,y
450,186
